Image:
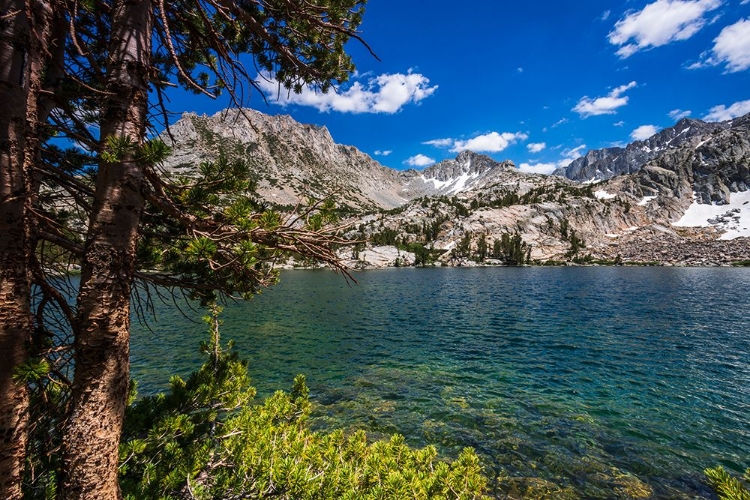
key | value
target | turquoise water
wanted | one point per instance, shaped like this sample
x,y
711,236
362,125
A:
x,y
577,382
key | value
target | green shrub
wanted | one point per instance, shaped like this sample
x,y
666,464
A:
x,y
205,439
728,487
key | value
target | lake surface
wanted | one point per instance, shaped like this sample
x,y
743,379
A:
x,y
571,382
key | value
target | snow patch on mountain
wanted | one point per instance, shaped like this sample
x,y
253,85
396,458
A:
x,y
732,218
604,195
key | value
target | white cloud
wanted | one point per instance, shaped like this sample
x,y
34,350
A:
x,y
660,23
722,113
679,114
605,15
492,142
519,69
643,132
419,160
619,124
731,48
538,168
571,154
386,93
536,147
603,105
439,143
566,156
383,153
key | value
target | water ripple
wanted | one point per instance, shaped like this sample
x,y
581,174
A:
x,y
603,382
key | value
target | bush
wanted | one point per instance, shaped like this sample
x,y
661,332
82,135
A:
x,y
728,487
206,440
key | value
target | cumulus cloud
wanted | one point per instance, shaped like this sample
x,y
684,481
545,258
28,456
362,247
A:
x,y
387,93
731,49
566,156
660,23
722,113
538,168
492,142
536,147
643,132
419,160
679,114
383,153
606,105
439,143
571,154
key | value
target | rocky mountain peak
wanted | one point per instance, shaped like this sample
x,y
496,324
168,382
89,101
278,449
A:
x,y
602,164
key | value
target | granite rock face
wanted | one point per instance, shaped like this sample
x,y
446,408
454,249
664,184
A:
x,y
291,161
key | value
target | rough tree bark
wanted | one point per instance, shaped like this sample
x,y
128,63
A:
x,y
24,42
100,387
15,282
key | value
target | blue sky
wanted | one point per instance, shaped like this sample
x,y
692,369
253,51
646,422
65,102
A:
x,y
536,82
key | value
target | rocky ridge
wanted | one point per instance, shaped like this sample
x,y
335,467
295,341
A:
x,y
603,164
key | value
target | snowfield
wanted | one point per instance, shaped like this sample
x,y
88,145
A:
x,y
733,218
603,195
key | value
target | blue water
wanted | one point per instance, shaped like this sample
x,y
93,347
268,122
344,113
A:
x,y
570,382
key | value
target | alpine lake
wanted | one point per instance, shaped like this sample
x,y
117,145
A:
x,y
569,382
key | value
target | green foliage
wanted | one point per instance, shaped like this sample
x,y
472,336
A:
x,y
463,248
205,440
116,149
728,487
31,371
482,248
512,250
576,244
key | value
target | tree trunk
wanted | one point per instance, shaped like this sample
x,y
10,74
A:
x,y
23,38
100,386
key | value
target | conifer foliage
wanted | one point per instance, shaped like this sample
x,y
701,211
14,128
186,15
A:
x,y
207,439
727,486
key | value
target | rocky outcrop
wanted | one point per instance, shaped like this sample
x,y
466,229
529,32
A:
x,y
377,257
710,170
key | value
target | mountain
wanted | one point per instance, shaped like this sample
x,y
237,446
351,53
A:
x,y
291,160
603,164
468,171
474,208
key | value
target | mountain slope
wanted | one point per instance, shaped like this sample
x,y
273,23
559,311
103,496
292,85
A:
x,y
292,161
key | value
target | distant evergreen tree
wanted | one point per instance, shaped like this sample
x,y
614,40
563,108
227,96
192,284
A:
x,y
482,248
512,250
